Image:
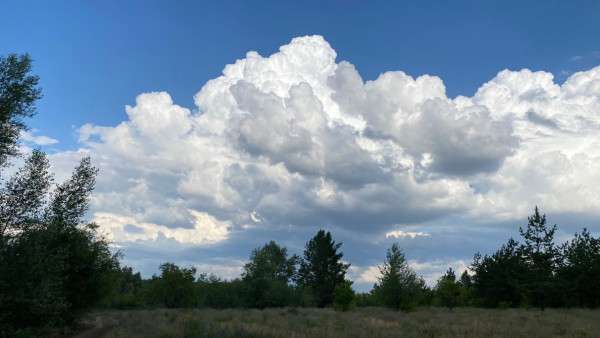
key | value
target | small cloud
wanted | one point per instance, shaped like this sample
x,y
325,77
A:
x,y
369,275
591,55
37,140
255,218
400,233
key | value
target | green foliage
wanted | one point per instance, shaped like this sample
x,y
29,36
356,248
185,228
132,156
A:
x,y
448,290
540,257
126,292
305,297
214,292
129,282
321,268
267,276
499,277
22,199
467,290
174,288
18,93
399,286
343,297
365,299
580,272
53,266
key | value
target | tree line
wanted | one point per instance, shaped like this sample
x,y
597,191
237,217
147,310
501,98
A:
x,y
54,266
537,273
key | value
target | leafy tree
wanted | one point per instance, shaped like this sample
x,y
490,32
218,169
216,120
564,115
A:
x,y
52,268
174,288
580,272
448,290
23,197
18,93
540,257
365,299
321,269
268,275
399,286
129,282
343,296
499,277
53,264
217,293
126,289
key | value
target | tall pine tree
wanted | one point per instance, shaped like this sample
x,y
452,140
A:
x,y
540,256
321,269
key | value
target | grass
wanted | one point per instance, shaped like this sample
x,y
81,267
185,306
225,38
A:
x,y
361,322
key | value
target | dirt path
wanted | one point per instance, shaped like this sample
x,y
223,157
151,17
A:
x,y
99,327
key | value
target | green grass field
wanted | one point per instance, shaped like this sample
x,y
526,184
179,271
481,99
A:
x,y
361,322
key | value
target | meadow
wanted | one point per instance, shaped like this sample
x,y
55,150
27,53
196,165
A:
x,y
360,322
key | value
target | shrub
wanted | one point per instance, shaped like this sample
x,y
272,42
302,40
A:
x,y
343,296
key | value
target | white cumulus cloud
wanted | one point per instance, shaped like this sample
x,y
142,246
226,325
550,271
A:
x,y
300,139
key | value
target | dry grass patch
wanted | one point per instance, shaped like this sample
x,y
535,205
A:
x,y
362,322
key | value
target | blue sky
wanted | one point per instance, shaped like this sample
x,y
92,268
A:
x,y
375,159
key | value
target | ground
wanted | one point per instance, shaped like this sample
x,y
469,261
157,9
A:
x,y
361,322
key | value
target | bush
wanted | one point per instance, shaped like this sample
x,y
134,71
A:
x,y
343,297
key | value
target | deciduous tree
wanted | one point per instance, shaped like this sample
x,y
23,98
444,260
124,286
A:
x,y
18,93
267,276
448,290
52,268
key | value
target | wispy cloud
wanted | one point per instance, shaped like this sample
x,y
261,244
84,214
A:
x,y
37,140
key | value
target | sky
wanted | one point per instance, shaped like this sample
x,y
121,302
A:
x,y
219,126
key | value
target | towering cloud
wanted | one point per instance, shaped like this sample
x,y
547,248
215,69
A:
x,y
298,139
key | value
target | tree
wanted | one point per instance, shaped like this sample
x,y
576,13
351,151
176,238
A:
x,y
217,293
580,272
125,295
268,275
321,269
467,291
18,93
448,290
540,256
399,285
343,297
52,268
499,277
174,288
22,198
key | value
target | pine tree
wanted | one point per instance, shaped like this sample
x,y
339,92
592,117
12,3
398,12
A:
x,y
540,257
580,272
398,286
321,269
